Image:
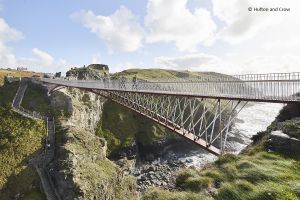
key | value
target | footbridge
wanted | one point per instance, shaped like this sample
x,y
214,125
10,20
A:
x,y
200,110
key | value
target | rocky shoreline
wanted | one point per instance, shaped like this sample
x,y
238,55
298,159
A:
x,y
158,170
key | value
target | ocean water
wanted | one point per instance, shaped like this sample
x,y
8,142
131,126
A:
x,y
253,118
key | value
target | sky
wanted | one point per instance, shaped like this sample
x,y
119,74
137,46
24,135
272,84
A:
x,y
226,36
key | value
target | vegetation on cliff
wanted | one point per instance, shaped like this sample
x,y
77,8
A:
x,y
20,140
258,173
121,128
164,74
95,176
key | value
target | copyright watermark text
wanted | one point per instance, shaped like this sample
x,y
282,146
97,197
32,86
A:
x,y
265,9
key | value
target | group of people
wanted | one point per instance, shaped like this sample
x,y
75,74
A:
x,y
121,82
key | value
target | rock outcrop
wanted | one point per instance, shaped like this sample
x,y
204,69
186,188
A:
x,y
81,170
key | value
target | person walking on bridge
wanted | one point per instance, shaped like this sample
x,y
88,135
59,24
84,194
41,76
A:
x,y
106,81
122,81
134,83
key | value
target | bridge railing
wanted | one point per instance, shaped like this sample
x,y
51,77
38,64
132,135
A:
x,y
270,87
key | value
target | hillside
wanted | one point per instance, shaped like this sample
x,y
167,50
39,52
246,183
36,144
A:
x,y
165,74
20,140
15,73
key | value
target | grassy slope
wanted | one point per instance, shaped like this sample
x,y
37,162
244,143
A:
x,y
20,139
254,175
15,73
149,74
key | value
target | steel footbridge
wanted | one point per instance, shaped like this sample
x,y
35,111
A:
x,y
201,110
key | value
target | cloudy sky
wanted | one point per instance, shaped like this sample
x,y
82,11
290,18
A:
x,y
202,35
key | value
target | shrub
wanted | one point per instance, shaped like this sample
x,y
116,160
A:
x,y
228,192
244,186
292,128
253,175
227,158
272,191
216,176
197,183
158,194
245,165
184,174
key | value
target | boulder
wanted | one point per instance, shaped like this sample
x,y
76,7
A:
x,y
281,142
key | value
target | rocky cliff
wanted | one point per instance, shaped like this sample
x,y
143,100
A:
x,y
93,71
81,169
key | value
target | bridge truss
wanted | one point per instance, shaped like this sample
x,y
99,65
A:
x,y
190,117
200,111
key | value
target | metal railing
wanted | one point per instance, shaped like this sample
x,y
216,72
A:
x,y
280,88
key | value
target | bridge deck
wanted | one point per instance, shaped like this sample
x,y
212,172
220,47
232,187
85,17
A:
x,y
275,88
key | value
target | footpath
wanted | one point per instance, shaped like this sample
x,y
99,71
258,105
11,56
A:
x,y
41,161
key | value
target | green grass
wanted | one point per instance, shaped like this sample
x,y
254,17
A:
x,y
262,191
191,180
20,140
151,74
15,73
158,194
94,171
260,176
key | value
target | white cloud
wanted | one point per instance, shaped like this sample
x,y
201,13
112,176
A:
x,y
43,57
269,64
171,21
43,62
122,66
241,24
96,58
120,31
7,34
231,63
199,62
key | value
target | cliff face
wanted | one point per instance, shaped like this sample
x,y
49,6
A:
x,y
82,170
93,71
84,108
